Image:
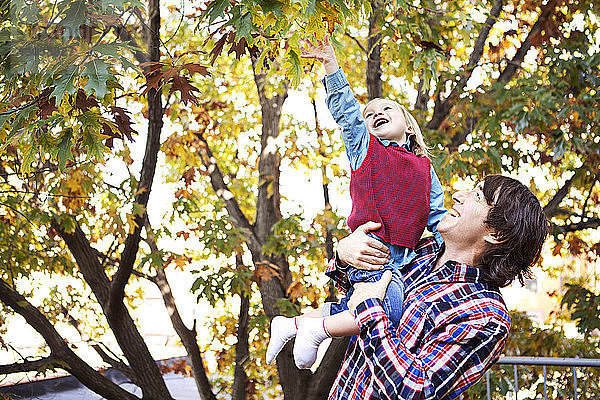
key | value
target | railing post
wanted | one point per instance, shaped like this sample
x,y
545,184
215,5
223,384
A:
x,y
487,383
575,382
545,386
516,384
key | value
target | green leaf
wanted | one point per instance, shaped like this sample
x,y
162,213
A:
x,y
67,223
97,73
63,150
28,158
118,4
64,84
75,16
244,28
216,9
5,117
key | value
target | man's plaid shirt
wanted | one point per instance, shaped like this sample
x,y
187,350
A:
x,y
453,328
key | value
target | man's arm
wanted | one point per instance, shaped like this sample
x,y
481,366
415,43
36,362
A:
x,y
359,250
451,358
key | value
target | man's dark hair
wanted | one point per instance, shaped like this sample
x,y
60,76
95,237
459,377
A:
x,y
520,226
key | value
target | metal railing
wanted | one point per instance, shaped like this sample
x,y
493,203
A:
x,y
574,363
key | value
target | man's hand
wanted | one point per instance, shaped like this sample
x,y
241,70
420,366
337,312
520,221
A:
x,y
362,251
369,290
321,51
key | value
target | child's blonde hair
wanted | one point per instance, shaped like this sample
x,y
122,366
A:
x,y
419,147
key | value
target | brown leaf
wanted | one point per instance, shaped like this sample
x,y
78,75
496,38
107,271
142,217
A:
x,y
295,290
265,271
331,18
194,68
183,85
188,176
239,48
154,77
169,73
185,234
218,48
46,104
87,32
123,122
83,102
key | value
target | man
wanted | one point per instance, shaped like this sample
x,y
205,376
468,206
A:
x,y
455,322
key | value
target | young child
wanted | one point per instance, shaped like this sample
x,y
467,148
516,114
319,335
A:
x,y
392,183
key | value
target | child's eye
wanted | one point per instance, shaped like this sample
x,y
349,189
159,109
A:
x,y
387,108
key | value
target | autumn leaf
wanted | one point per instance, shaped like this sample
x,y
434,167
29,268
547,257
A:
x,y
194,68
184,234
123,121
295,290
265,271
84,102
188,176
183,85
218,48
46,104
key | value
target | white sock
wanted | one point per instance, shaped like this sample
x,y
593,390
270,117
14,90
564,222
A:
x,y
283,329
311,333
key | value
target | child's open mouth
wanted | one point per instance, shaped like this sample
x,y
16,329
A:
x,y
380,121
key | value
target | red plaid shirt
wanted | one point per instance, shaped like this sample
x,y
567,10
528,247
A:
x,y
453,328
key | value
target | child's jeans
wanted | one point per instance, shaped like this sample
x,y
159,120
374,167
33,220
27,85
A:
x,y
394,297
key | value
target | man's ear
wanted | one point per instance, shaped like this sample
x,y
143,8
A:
x,y
492,239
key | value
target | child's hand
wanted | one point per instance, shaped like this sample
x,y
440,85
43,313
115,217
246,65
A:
x,y
321,51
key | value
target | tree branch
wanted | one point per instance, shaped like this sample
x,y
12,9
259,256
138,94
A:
x,y
589,195
242,349
442,108
507,74
155,114
220,187
113,362
187,336
552,207
122,325
373,68
514,64
591,223
358,43
59,348
29,365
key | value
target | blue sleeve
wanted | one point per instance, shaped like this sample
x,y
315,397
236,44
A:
x,y
437,211
345,109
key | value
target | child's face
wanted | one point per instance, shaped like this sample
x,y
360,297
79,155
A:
x,y
385,120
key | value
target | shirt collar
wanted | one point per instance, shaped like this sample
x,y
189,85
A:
x,y
407,145
454,271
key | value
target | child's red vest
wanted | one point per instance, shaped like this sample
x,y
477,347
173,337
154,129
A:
x,y
392,186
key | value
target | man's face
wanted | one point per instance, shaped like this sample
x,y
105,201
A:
x,y
465,222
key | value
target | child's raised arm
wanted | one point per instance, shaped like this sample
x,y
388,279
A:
x,y
321,51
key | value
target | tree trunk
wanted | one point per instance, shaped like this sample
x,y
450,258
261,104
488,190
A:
x,y
123,327
374,87
242,347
